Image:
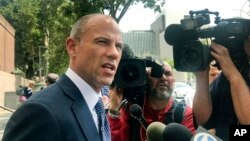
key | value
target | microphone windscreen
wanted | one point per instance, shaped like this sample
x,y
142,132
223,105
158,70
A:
x,y
173,34
135,111
176,132
154,131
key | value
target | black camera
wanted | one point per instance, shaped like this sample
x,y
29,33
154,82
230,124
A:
x,y
191,54
23,91
131,76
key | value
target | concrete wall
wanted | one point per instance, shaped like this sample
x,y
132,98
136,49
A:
x,y
8,85
7,46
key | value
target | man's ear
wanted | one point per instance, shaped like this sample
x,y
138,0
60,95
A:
x,y
70,45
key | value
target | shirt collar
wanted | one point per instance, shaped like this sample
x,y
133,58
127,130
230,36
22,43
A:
x,y
88,93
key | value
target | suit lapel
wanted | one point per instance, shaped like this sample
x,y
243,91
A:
x,y
80,109
85,119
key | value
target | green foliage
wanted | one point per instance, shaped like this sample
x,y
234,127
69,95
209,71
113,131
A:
x,y
114,8
22,14
37,23
47,23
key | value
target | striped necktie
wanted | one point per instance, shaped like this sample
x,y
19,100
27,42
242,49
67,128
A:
x,y
103,125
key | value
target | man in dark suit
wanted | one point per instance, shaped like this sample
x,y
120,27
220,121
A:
x,y
65,111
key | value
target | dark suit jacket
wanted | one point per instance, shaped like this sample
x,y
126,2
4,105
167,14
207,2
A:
x,y
57,113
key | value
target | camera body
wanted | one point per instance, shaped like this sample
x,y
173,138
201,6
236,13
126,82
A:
x,y
23,91
190,53
131,76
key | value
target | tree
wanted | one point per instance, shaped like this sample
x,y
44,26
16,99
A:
x,y
48,23
22,16
78,8
115,8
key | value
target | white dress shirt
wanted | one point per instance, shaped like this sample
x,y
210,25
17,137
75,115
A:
x,y
88,93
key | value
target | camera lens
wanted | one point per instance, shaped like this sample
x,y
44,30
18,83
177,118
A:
x,y
130,73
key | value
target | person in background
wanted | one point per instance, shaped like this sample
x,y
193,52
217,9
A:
x,y
72,109
51,78
26,92
105,97
213,73
158,105
226,100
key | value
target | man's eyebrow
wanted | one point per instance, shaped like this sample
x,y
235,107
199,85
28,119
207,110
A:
x,y
101,37
167,71
120,44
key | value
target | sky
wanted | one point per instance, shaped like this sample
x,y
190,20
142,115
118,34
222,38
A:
x,y
140,18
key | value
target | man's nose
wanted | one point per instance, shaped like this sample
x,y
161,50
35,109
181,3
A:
x,y
163,77
113,52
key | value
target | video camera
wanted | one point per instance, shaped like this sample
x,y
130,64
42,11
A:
x,y
131,76
191,54
21,91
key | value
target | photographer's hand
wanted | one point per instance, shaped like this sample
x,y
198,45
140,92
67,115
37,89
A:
x,y
221,55
239,89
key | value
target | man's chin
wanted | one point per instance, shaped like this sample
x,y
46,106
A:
x,y
107,82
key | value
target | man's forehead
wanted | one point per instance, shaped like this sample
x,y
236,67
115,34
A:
x,y
167,67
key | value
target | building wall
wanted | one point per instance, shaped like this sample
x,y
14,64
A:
x,y
8,84
152,43
142,43
7,46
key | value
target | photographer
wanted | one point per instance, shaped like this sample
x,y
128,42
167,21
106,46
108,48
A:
x,y
25,92
226,101
158,105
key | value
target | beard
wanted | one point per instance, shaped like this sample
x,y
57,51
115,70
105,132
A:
x,y
162,93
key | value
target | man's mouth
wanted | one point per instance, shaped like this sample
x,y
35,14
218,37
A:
x,y
109,67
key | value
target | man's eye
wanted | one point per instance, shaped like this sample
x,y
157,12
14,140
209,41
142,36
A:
x,y
101,42
119,47
167,73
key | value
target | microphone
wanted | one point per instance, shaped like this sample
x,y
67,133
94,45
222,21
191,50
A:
x,y
158,131
203,134
176,132
136,112
154,131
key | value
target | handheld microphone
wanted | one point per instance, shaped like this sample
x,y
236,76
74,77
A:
x,y
154,131
176,132
136,112
203,134
158,131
